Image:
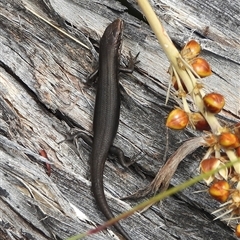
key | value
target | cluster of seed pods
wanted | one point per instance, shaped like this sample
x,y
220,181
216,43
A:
x,y
223,145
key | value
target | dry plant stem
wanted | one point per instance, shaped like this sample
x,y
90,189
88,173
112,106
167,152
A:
x,y
174,58
187,75
164,175
28,7
182,92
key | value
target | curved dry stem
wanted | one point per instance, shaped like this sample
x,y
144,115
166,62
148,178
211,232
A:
x,y
164,175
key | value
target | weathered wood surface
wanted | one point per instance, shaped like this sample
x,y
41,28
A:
x,y
42,83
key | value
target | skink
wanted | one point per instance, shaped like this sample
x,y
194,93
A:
x,y
106,112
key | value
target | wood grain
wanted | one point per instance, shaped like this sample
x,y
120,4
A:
x,y
43,93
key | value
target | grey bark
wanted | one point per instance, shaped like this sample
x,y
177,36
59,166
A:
x,y
43,92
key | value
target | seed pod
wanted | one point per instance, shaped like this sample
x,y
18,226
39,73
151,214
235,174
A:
x,y
237,230
201,67
199,122
191,50
219,190
210,164
177,119
228,140
214,102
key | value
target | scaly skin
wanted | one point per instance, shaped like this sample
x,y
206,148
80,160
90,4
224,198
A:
x,y
106,112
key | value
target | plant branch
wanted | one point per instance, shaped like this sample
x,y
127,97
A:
x,y
175,59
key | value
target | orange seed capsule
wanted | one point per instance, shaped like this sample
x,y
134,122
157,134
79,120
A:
x,y
209,164
237,230
220,190
201,67
177,119
214,102
228,140
191,49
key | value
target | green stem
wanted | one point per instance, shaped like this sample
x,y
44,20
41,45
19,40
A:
x,y
158,198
